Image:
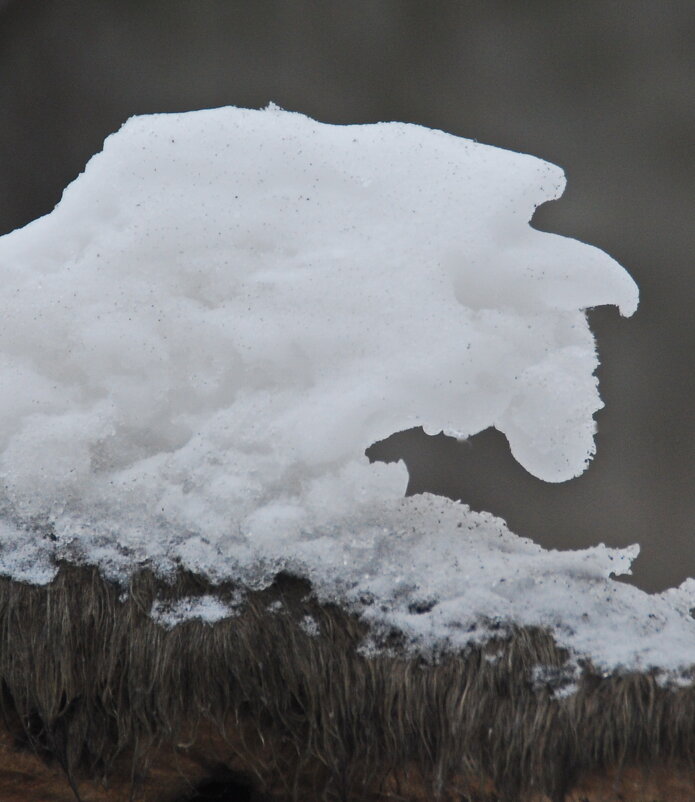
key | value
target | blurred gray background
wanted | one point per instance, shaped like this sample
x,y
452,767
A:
x,y
604,89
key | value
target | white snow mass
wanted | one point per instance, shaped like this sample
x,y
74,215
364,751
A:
x,y
229,306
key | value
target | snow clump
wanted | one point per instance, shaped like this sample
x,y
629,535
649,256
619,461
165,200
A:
x,y
229,306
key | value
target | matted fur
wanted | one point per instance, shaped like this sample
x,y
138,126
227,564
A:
x,y
89,679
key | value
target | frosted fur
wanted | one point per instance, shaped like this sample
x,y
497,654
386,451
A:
x,y
206,608
228,306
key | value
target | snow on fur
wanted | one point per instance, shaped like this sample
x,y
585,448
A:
x,y
228,306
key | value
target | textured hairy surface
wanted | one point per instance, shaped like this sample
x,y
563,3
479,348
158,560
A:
x,y
91,683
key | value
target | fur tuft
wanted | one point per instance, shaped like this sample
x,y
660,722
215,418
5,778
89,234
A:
x,y
89,680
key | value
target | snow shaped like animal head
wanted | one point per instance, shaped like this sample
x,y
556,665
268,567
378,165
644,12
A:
x,y
229,306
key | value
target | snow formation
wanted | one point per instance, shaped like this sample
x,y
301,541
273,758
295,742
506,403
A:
x,y
228,306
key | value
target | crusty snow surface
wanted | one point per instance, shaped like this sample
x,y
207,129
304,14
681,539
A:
x,y
229,306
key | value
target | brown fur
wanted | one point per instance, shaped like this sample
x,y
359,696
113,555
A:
x,y
92,682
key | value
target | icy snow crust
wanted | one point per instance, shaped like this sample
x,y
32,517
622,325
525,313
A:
x,y
228,306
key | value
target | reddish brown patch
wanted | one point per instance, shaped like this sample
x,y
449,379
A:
x,y
634,784
26,776
175,771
